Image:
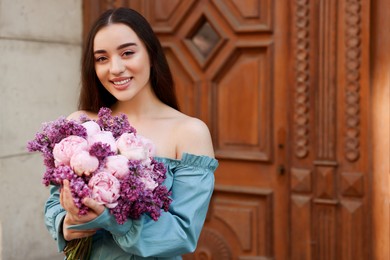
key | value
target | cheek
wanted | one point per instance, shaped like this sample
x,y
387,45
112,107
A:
x,y
98,71
143,71
146,72
101,74
142,65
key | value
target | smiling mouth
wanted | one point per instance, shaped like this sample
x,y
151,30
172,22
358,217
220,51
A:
x,y
121,82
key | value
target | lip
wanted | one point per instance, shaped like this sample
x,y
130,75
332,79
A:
x,y
121,83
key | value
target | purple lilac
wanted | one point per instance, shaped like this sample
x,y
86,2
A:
x,y
78,185
161,193
84,118
100,150
136,200
80,190
122,211
117,125
159,171
51,133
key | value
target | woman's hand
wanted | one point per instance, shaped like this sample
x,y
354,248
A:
x,y
72,216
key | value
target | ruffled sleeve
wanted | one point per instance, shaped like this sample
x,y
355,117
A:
x,y
202,162
54,215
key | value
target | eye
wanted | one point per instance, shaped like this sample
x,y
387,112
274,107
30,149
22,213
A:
x,y
100,59
127,53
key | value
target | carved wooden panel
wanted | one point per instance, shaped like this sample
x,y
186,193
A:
x,y
325,241
352,184
301,180
301,235
244,16
325,182
165,16
353,52
302,78
243,82
239,225
330,50
302,172
353,230
204,38
186,82
325,116
211,245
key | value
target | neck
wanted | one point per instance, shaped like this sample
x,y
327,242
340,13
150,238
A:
x,y
144,105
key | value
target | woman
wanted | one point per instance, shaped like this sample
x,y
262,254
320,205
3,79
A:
x,y
124,68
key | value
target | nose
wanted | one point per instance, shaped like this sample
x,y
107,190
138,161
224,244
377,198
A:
x,y
117,67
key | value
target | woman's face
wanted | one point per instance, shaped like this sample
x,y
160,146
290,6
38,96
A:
x,y
121,61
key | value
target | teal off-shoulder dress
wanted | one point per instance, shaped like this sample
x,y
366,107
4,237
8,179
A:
x,y
175,233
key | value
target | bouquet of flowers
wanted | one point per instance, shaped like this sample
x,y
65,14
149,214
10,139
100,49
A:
x,y
106,160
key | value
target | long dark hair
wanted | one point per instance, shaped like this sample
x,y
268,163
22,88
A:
x,y
93,95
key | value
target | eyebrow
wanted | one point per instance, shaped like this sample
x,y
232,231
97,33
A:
x,y
118,48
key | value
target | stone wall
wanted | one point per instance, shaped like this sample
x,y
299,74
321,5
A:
x,y
40,47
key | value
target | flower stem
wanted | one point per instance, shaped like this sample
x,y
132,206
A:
x,y
78,249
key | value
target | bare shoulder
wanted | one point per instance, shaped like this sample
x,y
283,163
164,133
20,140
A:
x,y
193,136
192,125
76,115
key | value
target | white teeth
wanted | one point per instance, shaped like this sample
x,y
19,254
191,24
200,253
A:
x,y
121,82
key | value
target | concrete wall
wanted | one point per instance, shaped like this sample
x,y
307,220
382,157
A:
x,y
40,47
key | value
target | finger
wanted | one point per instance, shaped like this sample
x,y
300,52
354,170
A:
x,y
66,188
66,199
63,195
78,234
61,198
90,203
94,205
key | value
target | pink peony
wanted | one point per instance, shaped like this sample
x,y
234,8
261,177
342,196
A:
x,y
105,189
83,163
117,165
65,149
135,147
92,127
104,137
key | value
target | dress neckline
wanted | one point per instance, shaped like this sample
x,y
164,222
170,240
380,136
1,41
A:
x,y
190,159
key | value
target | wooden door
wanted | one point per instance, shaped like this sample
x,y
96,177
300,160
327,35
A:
x,y
330,152
284,87
228,60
